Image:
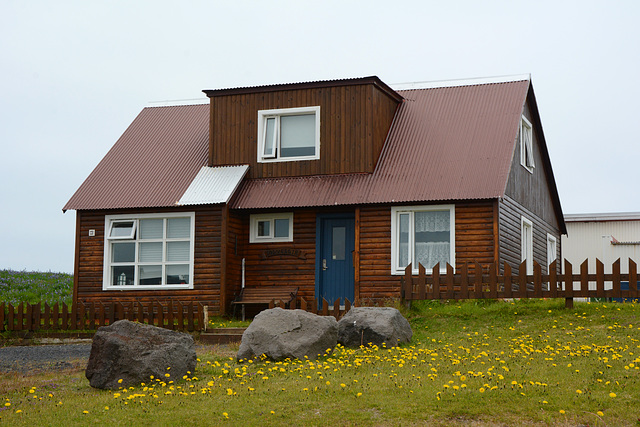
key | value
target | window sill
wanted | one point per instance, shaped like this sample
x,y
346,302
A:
x,y
146,287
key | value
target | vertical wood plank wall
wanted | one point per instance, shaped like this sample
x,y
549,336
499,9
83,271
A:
x,y
510,214
354,122
206,266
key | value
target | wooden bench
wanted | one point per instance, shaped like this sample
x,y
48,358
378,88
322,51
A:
x,y
264,295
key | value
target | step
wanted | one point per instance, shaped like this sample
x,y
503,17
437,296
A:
x,y
222,335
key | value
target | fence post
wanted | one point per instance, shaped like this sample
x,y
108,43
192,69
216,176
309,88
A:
x,y
568,285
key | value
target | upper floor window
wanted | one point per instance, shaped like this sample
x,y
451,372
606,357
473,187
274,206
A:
x,y
422,235
150,251
526,145
289,134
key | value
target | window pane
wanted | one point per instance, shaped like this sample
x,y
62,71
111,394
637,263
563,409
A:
x,y
178,228
177,274
338,243
122,229
298,135
150,252
432,238
281,227
123,252
269,137
151,228
150,274
403,243
122,275
263,228
178,251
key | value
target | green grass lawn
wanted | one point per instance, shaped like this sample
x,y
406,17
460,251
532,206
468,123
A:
x,y
488,363
34,287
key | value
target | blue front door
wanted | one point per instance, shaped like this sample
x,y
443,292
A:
x,y
335,242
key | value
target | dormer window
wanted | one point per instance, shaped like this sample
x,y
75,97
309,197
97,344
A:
x,y
526,145
289,134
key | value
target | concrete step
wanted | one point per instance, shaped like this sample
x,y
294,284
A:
x,y
222,335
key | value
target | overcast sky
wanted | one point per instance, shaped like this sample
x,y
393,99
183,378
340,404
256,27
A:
x,y
74,75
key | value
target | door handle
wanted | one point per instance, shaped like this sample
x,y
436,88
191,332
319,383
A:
x,y
324,264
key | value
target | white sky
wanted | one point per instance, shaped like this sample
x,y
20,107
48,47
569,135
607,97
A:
x,y
74,75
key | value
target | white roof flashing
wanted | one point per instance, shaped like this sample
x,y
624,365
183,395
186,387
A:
x,y
213,185
463,82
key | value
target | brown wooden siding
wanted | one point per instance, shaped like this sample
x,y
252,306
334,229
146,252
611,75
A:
x,y
284,269
354,122
237,241
531,189
206,260
510,215
474,227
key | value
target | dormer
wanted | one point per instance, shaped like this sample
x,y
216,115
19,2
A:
x,y
301,129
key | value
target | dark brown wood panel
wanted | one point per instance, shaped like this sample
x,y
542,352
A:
x,y
354,122
206,260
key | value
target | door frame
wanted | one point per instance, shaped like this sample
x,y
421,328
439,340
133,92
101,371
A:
x,y
319,233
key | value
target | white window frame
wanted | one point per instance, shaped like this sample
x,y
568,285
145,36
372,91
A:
x,y
552,241
109,220
270,218
526,243
263,115
396,211
526,145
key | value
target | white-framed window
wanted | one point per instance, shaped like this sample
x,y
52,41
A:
x,y
526,242
552,249
526,145
276,227
289,134
422,234
149,251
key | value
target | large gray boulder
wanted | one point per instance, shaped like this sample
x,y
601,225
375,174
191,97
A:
x,y
281,334
133,352
373,325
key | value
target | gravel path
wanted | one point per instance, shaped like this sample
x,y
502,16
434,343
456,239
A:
x,y
38,358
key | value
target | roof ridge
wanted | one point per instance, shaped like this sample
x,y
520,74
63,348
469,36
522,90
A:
x,y
474,81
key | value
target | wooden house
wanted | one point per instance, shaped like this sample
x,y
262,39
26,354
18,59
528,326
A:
x,y
331,186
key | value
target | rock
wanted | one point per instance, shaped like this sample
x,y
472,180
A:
x,y
281,334
132,352
373,325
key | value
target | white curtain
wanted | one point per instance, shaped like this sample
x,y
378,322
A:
x,y
430,253
432,221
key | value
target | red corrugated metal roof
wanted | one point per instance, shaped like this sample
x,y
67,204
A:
x,y
449,143
153,162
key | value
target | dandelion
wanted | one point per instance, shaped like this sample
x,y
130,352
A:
x,y
579,391
562,411
612,394
600,413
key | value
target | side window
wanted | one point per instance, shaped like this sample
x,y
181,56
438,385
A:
x,y
289,134
552,250
271,227
526,145
526,241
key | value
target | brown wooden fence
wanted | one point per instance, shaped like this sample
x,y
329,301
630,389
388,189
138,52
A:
x,y
327,309
489,283
88,317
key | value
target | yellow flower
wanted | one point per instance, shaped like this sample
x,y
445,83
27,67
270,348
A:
x,y
612,394
85,412
106,408
224,414
600,413
579,391
481,389
120,381
562,411
18,411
